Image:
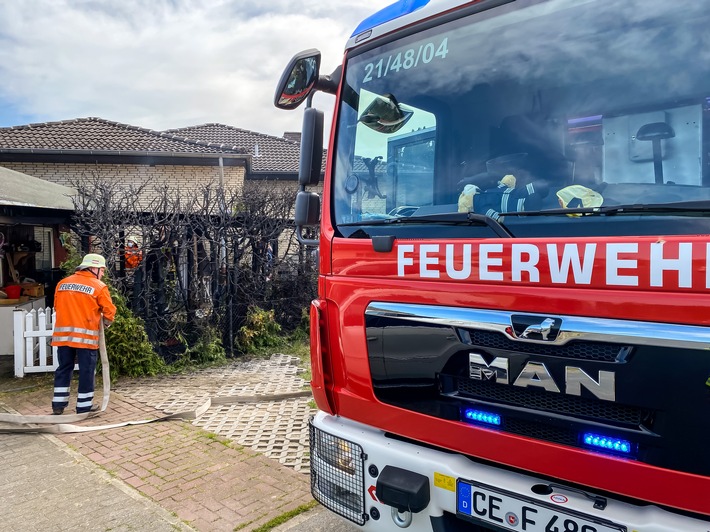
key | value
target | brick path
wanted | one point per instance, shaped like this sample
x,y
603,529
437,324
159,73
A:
x,y
208,481
46,486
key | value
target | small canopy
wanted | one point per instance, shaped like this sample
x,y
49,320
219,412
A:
x,y
22,190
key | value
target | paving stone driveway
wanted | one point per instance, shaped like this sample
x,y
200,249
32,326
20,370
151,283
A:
x,y
211,483
277,428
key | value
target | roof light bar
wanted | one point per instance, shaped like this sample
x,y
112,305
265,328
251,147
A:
x,y
391,12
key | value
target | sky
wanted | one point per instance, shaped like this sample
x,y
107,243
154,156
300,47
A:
x,y
165,64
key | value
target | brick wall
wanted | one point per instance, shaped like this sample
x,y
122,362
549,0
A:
x,y
182,177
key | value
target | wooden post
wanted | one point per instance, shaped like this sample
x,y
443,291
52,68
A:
x,y
29,340
52,320
19,341
42,338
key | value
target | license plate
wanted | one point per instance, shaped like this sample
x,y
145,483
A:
x,y
511,512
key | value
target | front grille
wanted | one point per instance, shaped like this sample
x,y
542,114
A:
x,y
337,475
422,358
541,431
577,407
581,350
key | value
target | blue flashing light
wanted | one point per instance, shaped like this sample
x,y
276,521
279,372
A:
x,y
607,443
481,416
391,12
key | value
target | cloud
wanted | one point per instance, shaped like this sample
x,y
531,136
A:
x,y
164,63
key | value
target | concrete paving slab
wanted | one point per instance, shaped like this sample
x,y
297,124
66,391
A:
x,y
277,429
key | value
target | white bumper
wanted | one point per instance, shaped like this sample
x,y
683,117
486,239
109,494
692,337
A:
x,y
344,452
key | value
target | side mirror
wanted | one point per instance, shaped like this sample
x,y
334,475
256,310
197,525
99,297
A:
x,y
298,80
311,156
306,213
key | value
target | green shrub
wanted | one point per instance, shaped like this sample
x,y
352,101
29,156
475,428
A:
x,y
130,353
260,331
74,257
206,349
302,332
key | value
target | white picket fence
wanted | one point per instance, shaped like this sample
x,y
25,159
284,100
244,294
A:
x,y
32,337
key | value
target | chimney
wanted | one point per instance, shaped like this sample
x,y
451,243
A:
x,y
294,136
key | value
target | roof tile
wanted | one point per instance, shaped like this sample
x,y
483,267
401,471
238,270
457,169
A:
x,y
98,134
269,153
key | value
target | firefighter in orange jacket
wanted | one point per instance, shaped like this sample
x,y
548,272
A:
x,y
134,255
81,301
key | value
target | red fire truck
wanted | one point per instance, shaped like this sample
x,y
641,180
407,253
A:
x,y
512,329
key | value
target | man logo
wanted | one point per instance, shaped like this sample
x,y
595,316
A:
x,y
536,375
543,329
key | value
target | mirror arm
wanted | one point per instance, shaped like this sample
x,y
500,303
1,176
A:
x,y
312,242
329,84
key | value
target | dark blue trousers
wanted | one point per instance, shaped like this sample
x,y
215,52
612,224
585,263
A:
x,y
68,356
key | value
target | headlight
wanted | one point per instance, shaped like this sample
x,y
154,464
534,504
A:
x,y
337,475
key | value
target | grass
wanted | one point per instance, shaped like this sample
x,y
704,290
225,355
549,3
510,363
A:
x,y
281,519
243,525
301,349
295,346
27,384
217,438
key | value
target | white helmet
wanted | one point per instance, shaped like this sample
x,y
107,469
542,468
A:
x,y
92,260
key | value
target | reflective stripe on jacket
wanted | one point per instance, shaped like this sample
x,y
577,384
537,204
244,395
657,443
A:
x,y
80,301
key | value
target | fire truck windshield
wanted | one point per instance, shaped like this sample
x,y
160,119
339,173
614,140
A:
x,y
529,107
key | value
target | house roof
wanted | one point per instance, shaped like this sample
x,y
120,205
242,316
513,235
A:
x,y
22,190
269,154
113,142
97,136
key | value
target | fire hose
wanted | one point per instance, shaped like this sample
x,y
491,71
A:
x,y
63,424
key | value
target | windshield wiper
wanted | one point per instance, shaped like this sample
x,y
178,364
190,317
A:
x,y
652,208
452,218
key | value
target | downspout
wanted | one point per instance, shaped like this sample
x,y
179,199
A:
x,y
221,173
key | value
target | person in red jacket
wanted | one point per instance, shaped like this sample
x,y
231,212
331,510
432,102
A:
x,y
81,301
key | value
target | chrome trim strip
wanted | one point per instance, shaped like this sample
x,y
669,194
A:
x,y
573,327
